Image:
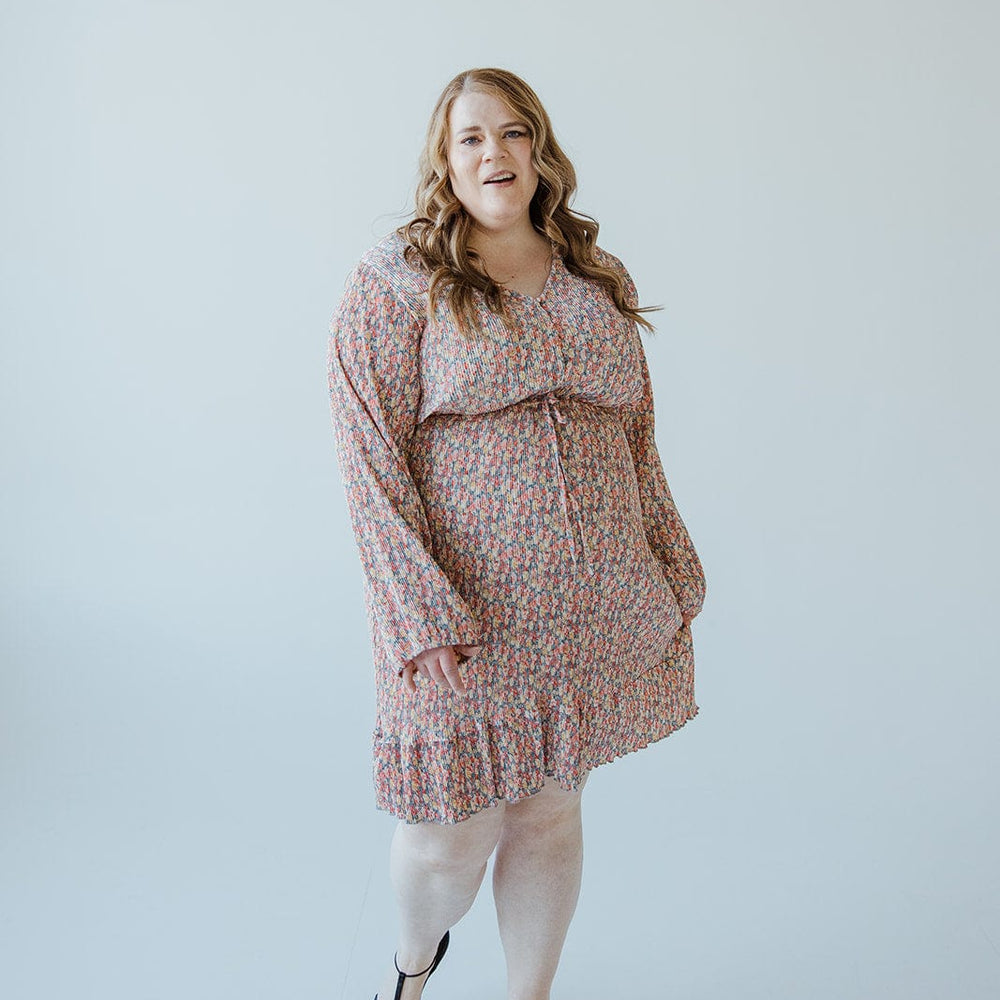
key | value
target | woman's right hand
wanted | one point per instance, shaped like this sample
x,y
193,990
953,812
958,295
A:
x,y
439,664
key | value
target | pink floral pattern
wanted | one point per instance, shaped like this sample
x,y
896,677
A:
x,y
507,491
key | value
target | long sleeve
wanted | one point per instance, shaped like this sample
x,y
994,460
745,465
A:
x,y
374,383
667,534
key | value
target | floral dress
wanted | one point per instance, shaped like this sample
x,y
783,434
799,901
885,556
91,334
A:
x,y
506,491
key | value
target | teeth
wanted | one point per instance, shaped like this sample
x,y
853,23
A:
x,y
502,177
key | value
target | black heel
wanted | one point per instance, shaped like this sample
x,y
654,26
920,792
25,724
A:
x,y
403,976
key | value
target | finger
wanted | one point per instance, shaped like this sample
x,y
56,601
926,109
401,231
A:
x,y
453,676
424,662
409,674
435,671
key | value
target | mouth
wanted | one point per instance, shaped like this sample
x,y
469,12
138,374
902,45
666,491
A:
x,y
502,177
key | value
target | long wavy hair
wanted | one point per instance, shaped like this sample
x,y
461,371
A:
x,y
437,237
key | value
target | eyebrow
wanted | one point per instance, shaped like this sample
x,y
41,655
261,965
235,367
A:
x,y
479,128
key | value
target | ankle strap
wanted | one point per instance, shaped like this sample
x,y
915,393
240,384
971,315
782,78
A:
x,y
412,975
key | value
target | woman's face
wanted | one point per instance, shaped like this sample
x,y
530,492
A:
x,y
486,140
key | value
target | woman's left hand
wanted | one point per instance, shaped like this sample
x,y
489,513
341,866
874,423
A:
x,y
439,664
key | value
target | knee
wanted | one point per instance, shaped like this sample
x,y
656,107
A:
x,y
455,847
552,813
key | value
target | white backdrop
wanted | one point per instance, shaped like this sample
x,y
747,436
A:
x,y
809,189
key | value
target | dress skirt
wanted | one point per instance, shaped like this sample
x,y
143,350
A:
x,y
583,655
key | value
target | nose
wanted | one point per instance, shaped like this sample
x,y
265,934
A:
x,y
493,149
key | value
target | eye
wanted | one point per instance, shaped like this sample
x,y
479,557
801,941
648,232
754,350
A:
x,y
468,139
516,132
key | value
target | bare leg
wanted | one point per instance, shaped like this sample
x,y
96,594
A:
x,y
436,870
536,884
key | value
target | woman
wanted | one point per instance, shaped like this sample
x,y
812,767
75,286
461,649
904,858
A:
x,y
528,580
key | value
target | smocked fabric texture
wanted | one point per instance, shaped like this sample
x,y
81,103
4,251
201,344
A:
x,y
506,491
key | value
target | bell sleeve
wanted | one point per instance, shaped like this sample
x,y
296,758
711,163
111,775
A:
x,y
665,530
374,383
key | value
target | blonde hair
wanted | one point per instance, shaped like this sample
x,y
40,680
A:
x,y
437,237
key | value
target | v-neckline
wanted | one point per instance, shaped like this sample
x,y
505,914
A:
x,y
548,279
